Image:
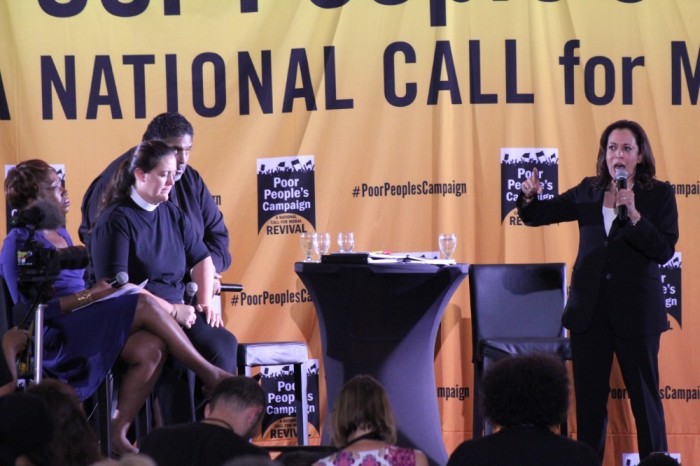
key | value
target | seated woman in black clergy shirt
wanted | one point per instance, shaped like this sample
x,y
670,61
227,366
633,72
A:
x,y
138,232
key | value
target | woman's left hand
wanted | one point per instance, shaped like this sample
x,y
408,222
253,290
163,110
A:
x,y
212,318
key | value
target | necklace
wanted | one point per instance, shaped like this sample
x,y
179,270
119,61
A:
x,y
368,436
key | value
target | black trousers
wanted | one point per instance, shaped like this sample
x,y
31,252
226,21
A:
x,y
592,354
178,394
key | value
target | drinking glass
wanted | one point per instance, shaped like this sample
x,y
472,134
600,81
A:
x,y
447,243
346,241
307,245
322,243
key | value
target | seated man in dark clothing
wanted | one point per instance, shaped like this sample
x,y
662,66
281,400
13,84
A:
x,y
231,418
527,398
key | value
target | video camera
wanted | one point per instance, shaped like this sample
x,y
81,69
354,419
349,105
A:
x,y
38,267
38,264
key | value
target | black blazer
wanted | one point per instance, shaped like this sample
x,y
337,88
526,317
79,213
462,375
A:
x,y
625,262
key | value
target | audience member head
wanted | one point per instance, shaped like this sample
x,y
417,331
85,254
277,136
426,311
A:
x,y
130,459
26,430
149,170
74,441
251,460
33,180
302,457
531,389
659,459
175,131
362,406
238,401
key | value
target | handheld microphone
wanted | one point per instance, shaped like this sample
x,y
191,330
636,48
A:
x,y
118,280
234,287
621,180
190,290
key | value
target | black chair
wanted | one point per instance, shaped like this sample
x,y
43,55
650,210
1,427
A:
x,y
516,309
6,320
99,409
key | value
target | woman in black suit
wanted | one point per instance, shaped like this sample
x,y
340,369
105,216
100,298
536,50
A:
x,y
616,301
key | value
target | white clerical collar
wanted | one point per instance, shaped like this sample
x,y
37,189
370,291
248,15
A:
x,y
141,202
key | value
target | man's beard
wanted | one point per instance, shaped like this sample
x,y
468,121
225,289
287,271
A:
x,y
180,171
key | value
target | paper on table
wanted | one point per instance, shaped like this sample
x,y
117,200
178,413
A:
x,y
373,259
378,257
123,291
383,257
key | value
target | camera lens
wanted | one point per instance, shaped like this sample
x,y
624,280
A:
x,y
73,257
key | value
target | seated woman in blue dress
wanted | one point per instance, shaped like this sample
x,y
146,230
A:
x,y
83,337
140,233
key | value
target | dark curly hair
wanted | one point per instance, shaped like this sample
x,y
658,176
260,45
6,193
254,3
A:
x,y
646,169
659,459
74,441
22,184
26,429
532,389
168,125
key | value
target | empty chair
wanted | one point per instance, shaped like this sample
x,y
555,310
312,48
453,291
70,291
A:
x,y
516,309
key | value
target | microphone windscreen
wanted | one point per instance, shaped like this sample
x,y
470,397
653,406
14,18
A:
x,y
191,288
121,278
42,215
621,174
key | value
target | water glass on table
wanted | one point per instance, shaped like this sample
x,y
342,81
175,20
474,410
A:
x,y
307,245
322,243
346,241
447,242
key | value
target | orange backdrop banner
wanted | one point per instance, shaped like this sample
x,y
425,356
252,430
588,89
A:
x,y
392,119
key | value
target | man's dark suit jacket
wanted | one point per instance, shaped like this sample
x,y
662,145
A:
x,y
627,259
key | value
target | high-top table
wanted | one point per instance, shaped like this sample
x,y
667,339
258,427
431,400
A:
x,y
382,320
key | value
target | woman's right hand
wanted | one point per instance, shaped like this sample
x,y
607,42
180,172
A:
x,y
532,186
15,340
185,315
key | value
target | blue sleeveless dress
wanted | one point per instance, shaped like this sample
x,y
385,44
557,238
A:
x,y
82,346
